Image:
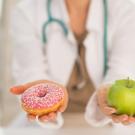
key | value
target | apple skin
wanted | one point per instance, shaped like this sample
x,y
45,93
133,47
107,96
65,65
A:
x,y
121,96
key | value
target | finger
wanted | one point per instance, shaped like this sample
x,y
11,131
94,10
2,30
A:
x,y
102,101
102,97
52,116
44,118
31,117
62,108
17,90
109,110
20,89
115,119
120,118
48,117
123,118
129,121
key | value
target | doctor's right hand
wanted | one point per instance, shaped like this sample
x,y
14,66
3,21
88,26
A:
x,y
110,111
18,90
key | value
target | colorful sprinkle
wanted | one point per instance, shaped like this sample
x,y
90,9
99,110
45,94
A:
x,y
43,95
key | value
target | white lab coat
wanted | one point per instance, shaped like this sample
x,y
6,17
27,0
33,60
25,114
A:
x,y
54,60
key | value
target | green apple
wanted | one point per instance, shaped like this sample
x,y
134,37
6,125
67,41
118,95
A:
x,y
121,95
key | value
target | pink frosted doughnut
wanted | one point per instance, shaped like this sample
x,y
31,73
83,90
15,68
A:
x,y
43,98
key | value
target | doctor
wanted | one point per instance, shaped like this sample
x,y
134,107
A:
x,y
83,44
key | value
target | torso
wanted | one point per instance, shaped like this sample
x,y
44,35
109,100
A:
x,y
38,17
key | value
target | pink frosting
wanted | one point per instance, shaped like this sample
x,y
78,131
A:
x,y
43,95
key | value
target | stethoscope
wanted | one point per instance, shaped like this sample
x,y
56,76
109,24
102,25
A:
x,y
63,26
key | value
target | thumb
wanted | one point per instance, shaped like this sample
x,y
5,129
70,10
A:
x,y
62,109
17,90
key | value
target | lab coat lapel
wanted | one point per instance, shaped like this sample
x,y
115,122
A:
x,y
94,42
60,52
41,17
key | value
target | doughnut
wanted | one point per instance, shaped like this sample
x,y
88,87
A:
x,y
43,98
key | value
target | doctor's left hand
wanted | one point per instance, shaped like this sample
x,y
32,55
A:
x,y
110,111
18,90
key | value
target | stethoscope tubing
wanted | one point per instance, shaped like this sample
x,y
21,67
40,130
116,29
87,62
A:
x,y
51,19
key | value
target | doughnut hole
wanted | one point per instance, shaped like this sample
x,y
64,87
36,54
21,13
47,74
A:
x,y
42,93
